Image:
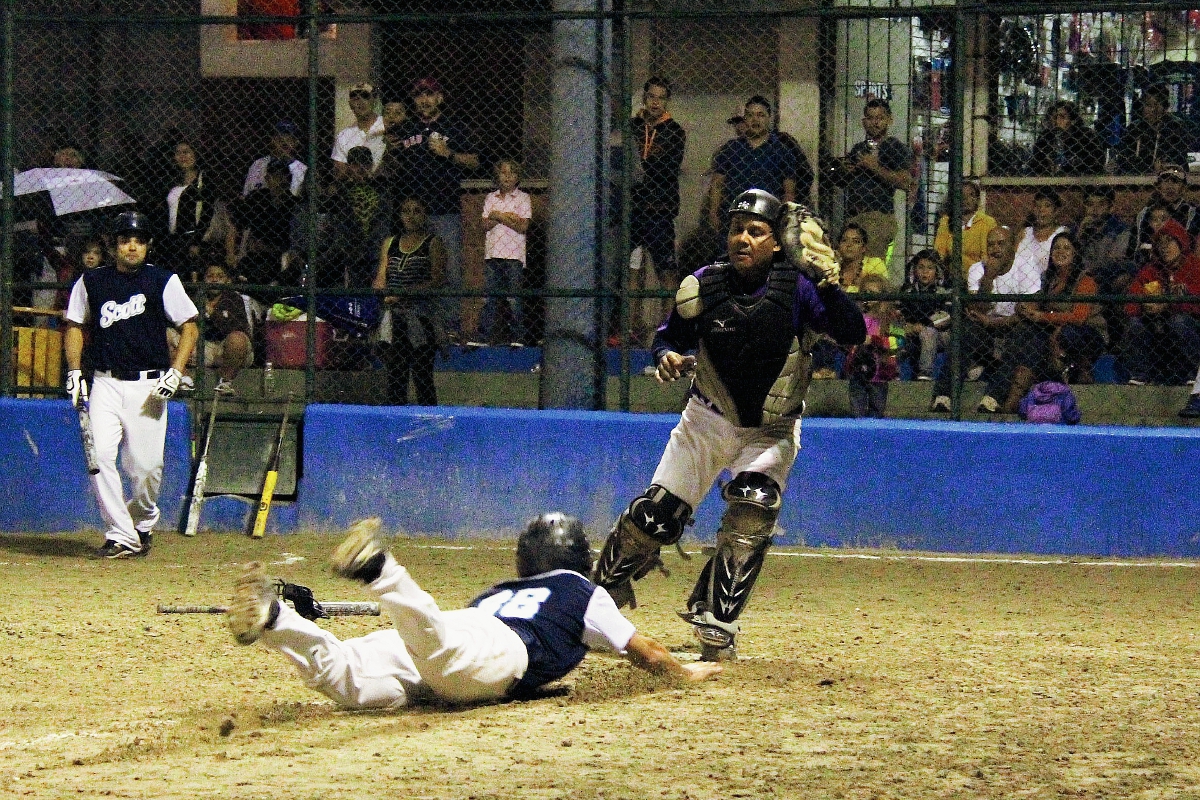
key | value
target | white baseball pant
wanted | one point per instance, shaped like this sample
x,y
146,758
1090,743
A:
x,y
128,420
704,443
462,656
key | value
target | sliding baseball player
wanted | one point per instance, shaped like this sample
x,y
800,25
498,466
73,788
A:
x,y
126,308
743,329
514,638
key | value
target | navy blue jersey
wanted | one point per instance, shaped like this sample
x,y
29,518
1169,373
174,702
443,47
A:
x,y
128,318
550,612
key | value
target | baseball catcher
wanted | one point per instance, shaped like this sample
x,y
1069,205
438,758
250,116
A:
x,y
743,330
512,639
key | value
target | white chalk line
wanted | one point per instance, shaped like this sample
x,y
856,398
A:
x,y
290,558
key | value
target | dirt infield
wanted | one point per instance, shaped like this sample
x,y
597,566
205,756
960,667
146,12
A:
x,y
861,678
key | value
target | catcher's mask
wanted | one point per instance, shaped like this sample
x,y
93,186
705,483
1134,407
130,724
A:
x,y
553,541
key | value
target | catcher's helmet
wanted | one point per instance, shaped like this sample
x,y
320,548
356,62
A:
x,y
553,541
757,203
132,222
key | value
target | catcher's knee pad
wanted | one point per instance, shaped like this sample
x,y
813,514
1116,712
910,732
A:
x,y
653,519
746,533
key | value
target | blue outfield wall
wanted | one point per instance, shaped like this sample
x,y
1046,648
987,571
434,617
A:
x,y
43,482
960,487
469,472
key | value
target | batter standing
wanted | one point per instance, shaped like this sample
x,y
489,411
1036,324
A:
x,y
127,308
746,329
514,638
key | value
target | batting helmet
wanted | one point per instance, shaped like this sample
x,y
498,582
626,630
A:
x,y
757,203
553,541
131,222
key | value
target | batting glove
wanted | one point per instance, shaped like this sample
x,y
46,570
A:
x,y
806,246
168,384
77,388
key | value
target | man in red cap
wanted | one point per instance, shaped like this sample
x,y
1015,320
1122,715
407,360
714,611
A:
x,y
1163,342
435,151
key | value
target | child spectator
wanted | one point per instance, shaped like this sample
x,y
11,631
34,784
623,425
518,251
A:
x,y
1163,340
226,331
1156,216
856,266
926,320
414,260
506,215
873,363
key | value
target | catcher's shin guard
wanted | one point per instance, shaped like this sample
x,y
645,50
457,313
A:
x,y
724,586
655,518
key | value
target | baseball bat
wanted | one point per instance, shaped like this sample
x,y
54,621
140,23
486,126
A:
x,y
333,609
268,491
196,507
89,441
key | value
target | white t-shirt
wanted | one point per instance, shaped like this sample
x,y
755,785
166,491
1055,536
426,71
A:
x,y
1029,263
173,207
355,137
974,277
256,176
502,241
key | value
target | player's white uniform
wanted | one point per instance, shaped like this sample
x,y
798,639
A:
x,y
516,636
127,315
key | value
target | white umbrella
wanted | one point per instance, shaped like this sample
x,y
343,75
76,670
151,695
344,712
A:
x,y
72,190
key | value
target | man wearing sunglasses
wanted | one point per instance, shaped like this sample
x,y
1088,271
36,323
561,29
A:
x,y
367,130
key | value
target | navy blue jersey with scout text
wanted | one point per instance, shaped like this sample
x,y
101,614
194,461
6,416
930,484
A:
x,y
558,615
128,318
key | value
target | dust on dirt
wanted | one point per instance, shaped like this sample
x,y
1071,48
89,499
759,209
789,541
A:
x,y
859,678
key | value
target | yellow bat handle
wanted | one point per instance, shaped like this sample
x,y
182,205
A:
x,y
264,505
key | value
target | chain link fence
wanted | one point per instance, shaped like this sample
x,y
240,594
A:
x,y
492,203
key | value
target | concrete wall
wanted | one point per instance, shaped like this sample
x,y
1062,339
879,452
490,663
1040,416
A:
x,y
466,472
43,483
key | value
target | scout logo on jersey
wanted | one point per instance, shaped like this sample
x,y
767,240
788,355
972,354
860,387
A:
x,y
112,311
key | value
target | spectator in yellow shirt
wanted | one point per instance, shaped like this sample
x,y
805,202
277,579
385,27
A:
x,y
976,227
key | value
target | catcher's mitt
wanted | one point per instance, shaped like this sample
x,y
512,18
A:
x,y
807,247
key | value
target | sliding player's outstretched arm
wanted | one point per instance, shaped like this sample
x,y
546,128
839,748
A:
x,y
651,656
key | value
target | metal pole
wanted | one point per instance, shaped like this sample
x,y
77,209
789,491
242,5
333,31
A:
x,y
310,335
624,90
569,352
957,104
6,203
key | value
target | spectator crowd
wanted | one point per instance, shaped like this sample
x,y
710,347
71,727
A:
x,y
390,217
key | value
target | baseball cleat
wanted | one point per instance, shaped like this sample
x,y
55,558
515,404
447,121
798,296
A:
x,y
112,550
147,540
361,554
254,607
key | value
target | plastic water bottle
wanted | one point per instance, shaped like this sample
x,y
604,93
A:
x,y
268,380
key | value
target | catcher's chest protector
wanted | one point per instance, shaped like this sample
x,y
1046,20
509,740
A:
x,y
748,341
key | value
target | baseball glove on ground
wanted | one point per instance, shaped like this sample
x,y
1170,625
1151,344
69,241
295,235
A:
x,y
806,245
